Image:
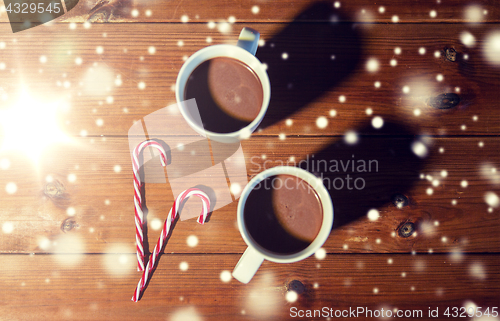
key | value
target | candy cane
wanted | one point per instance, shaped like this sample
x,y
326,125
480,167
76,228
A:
x,y
139,215
146,275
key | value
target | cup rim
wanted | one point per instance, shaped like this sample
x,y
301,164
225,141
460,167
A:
x,y
326,203
233,52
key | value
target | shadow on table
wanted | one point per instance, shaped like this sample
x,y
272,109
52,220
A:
x,y
313,53
369,173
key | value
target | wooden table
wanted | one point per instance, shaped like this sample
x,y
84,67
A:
x,y
72,90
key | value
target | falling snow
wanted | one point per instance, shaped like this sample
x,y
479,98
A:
x,y
117,262
473,14
322,122
373,215
320,254
4,164
183,266
262,299
467,39
186,314
492,199
224,27
192,240
71,178
351,137
11,188
225,276
7,227
477,271
372,65
419,149
98,80
156,224
377,122
291,296
491,48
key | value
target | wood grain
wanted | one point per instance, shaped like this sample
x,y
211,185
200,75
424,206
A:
x,y
454,11
99,200
305,86
99,287
67,239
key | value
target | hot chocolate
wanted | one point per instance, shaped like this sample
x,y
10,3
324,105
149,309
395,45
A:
x,y
228,94
283,214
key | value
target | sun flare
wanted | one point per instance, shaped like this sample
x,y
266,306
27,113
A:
x,y
30,125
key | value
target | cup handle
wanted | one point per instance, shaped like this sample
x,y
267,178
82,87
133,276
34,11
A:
x,y
249,40
248,265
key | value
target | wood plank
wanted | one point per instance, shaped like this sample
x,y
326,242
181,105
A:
x,y
100,107
453,11
96,194
300,10
67,238
100,286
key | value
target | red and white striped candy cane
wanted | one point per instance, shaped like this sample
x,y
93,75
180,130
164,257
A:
x,y
139,215
146,275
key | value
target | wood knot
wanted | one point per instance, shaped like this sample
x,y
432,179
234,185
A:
x,y
54,190
68,224
406,230
400,200
450,54
444,101
296,286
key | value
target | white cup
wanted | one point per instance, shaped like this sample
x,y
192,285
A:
x,y
255,254
244,51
